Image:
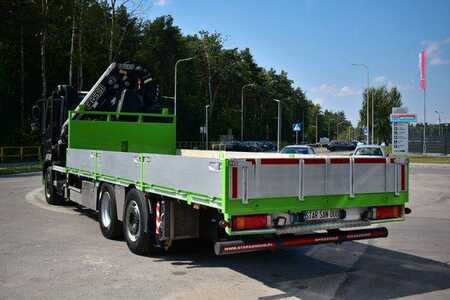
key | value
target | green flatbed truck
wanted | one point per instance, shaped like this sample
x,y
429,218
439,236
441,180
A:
x,y
113,150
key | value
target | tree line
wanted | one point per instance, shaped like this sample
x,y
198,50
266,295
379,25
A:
x,y
49,42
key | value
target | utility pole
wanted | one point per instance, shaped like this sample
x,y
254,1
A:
x,y
329,132
337,129
242,108
317,127
206,126
439,121
303,120
279,124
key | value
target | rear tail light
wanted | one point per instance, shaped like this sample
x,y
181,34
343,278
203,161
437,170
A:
x,y
249,222
387,212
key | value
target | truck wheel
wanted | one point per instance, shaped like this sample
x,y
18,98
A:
x,y
109,224
137,218
49,190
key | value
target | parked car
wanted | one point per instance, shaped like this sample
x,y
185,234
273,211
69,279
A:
x,y
298,149
369,150
250,146
324,141
341,146
233,146
268,146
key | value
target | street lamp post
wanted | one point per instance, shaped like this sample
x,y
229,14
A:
x,y
206,125
242,108
175,83
329,132
278,124
367,105
439,121
337,129
317,127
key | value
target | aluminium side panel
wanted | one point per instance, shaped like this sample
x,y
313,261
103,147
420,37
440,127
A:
x,y
124,165
268,181
190,174
390,180
338,182
370,178
315,179
80,159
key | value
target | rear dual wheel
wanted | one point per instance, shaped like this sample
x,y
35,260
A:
x,y
138,223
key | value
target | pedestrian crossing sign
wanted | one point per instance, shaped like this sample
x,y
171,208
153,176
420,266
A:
x,y
297,127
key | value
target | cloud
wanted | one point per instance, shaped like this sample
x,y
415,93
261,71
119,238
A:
x,y
161,2
318,100
399,86
333,90
439,61
436,49
379,79
345,92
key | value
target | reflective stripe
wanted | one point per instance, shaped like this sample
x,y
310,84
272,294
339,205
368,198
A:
x,y
279,161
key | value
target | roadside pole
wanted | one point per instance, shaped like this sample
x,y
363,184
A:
x,y
296,127
279,124
423,86
206,125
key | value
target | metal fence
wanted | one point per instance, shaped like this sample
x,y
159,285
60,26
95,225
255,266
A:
x,y
437,139
20,153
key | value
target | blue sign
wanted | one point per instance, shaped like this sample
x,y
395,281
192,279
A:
x,y
297,126
366,131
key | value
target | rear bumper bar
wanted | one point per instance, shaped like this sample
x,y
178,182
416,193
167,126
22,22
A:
x,y
338,236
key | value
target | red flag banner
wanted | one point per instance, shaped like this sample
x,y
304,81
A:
x,y
422,64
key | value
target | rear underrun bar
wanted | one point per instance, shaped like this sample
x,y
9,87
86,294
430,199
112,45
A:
x,y
239,246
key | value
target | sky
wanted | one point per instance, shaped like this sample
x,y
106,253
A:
x,y
316,43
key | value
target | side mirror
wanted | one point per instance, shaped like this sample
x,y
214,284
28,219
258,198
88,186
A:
x,y
36,113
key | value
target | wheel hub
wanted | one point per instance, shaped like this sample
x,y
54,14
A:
x,y
133,219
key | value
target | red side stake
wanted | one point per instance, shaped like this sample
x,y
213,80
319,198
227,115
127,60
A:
x,y
239,246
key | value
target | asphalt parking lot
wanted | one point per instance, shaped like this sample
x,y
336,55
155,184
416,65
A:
x,y
58,252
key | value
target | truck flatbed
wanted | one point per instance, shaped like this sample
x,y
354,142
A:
x,y
252,183
126,166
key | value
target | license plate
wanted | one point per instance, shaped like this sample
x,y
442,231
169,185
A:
x,y
321,214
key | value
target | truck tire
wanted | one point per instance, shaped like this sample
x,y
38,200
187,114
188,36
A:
x,y
49,190
107,218
137,220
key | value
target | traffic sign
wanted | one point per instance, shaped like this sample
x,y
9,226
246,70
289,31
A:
x,y
400,137
366,131
403,118
297,126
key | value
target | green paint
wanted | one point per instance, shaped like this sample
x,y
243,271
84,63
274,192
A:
x,y
224,169
133,135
